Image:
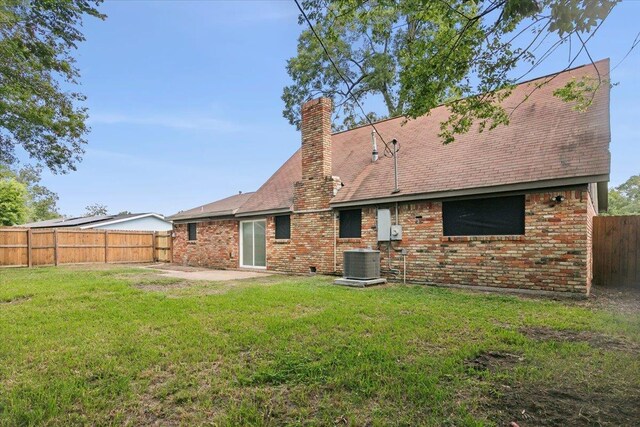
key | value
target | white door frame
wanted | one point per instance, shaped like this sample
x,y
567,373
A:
x,y
240,236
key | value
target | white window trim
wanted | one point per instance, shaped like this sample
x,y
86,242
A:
x,y
240,261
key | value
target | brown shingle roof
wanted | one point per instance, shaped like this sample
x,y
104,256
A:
x,y
545,140
223,207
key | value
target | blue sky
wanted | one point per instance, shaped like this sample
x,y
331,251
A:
x,y
184,99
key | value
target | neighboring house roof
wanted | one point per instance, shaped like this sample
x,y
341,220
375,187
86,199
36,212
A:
x,y
116,219
547,143
224,207
89,221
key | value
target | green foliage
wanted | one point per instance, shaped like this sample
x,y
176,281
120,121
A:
x,y
414,55
625,198
37,113
40,202
580,92
96,209
12,202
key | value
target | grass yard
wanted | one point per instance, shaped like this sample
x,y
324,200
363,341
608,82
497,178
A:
x,y
113,346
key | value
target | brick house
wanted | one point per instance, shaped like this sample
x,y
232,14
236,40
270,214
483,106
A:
x,y
510,207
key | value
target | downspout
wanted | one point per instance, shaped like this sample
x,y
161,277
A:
x,y
335,245
396,189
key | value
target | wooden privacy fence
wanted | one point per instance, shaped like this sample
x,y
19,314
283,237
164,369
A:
x,y
33,247
616,251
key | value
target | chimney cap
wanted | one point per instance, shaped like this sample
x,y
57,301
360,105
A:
x,y
316,101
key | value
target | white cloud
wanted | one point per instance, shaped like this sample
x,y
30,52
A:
x,y
185,121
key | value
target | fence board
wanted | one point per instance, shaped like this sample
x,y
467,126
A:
x,y
24,247
616,251
13,248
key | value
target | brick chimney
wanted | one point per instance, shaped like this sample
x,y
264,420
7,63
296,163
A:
x,y
317,186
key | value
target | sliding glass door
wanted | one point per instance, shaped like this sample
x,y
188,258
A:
x,y
253,244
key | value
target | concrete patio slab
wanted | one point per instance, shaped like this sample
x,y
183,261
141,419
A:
x,y
194,273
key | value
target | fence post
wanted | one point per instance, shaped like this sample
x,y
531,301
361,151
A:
x,y
29,245
106,246
154,245
55,247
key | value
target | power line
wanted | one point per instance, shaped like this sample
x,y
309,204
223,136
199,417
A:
x,y
387,149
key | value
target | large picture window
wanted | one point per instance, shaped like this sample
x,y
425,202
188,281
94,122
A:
x,y
493,216
192,229
283,227
350,223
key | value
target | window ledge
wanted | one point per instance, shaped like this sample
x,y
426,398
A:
x,y
282,241
191,242
349,239
512,237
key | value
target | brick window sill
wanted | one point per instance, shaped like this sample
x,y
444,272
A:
x,y
282,241
349,239
192,242
510,238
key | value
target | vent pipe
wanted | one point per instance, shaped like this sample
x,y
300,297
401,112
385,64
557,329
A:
x,y
395,165
374,153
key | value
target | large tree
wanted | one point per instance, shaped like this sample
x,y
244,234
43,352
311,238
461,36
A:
x,y
40,202
38,112
412,55
625,198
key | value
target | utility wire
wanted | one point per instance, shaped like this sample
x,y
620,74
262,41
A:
x,y
387,149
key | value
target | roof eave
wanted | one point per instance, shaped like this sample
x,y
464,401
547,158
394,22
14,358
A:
x,y
525,186
202,215
264,212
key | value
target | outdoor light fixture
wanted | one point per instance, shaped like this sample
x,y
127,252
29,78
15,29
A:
x,y
558,199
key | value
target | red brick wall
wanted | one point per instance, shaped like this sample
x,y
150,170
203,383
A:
x,y
216,245
553,255
311,244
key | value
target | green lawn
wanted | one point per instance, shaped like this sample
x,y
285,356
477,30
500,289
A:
x,y
121,346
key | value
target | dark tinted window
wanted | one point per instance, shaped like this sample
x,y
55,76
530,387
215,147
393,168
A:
x,y
484,217
350,222
192,230
283,227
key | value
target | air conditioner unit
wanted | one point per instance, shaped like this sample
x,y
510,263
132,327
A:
x,y
361,264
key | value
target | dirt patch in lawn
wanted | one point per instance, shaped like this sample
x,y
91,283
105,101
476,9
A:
x,y
617,300
537,405
492,361
14,299
559,403
594,339
168,396
163,287
175,287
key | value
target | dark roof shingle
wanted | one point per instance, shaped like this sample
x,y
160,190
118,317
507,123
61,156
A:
x,y
545,140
